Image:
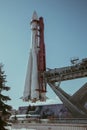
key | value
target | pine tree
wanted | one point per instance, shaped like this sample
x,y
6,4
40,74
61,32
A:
x,y
4,108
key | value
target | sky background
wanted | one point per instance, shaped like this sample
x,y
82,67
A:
x,y
65,37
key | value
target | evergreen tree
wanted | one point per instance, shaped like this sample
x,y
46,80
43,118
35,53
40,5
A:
x,y
4,108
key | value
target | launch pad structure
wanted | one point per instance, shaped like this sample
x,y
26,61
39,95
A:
x,y
38,77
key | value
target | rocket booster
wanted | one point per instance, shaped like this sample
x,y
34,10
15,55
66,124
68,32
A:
x,y
27,88
35,85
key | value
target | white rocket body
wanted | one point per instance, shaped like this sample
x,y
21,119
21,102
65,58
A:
x,y
34,39
34,89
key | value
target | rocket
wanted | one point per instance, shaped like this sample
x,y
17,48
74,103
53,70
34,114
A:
x,y
35,85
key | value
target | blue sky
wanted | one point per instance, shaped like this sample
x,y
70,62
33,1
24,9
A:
x,y
65,37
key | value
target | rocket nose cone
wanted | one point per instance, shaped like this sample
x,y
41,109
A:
x,y
34,17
